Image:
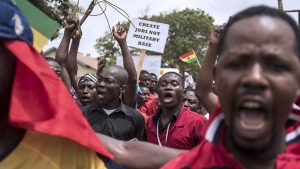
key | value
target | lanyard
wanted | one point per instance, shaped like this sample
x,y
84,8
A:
x,y
157,134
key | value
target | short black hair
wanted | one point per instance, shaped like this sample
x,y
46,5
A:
x,y
144,87
144,72
153,74
175,73
261,11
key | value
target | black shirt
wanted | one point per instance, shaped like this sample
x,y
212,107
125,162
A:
x,y
162,127
124,123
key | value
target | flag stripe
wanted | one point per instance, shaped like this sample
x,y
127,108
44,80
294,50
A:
x,y
39,40
186,59
191,60
37,19
47,115
186,55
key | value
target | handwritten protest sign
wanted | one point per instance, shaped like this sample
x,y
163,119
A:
x,y
148,35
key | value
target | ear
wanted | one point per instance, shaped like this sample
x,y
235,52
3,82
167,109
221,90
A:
x,y
123,89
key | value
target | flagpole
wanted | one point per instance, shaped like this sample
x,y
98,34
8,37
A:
x,y
197,59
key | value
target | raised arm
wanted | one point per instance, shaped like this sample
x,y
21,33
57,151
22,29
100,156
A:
x,y
129,96
62,52
72,58
206,76
137,154
101,64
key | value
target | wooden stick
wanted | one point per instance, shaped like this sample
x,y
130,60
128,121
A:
x,y
198,62
280,5
295,10
299,18
197,59
87,12
140,64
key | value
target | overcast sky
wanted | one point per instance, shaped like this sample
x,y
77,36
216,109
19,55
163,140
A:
x,y
220,10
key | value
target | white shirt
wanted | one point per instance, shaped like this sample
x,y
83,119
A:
x,y
109,112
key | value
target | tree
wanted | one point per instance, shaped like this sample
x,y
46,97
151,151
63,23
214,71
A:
x,y
107,48
189,30
58,10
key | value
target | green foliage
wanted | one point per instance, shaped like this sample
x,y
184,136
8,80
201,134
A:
x,y
107,48
189,30
58,10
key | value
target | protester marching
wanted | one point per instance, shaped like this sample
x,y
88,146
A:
x,y
147,111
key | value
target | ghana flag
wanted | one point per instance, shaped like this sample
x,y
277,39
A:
x,y
188,57
42,26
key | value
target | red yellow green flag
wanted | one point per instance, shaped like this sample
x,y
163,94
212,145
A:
x,y
42,26
188,57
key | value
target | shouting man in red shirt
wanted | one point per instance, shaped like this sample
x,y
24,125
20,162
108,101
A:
x,y
174,125
257,81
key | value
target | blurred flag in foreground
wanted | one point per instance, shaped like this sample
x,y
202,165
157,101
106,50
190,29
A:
x,y
41,25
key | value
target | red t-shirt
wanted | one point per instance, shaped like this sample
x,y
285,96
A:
x,y
209,156
152,97
185,132
150,107
212,154
293,130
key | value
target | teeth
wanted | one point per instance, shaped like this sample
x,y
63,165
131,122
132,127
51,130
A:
x,y
251,105
167,99
252,119
252,127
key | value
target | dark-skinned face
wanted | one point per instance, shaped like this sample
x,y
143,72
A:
x,y
144,96
55,67
87,92
153,83
145,80
170,90
109,87
190,101
256,80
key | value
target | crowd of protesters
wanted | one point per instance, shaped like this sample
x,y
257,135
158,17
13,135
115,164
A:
x,y
242,113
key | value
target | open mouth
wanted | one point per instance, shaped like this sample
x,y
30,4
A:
x,y
101,94
252,115
145,100
85,98
168,97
